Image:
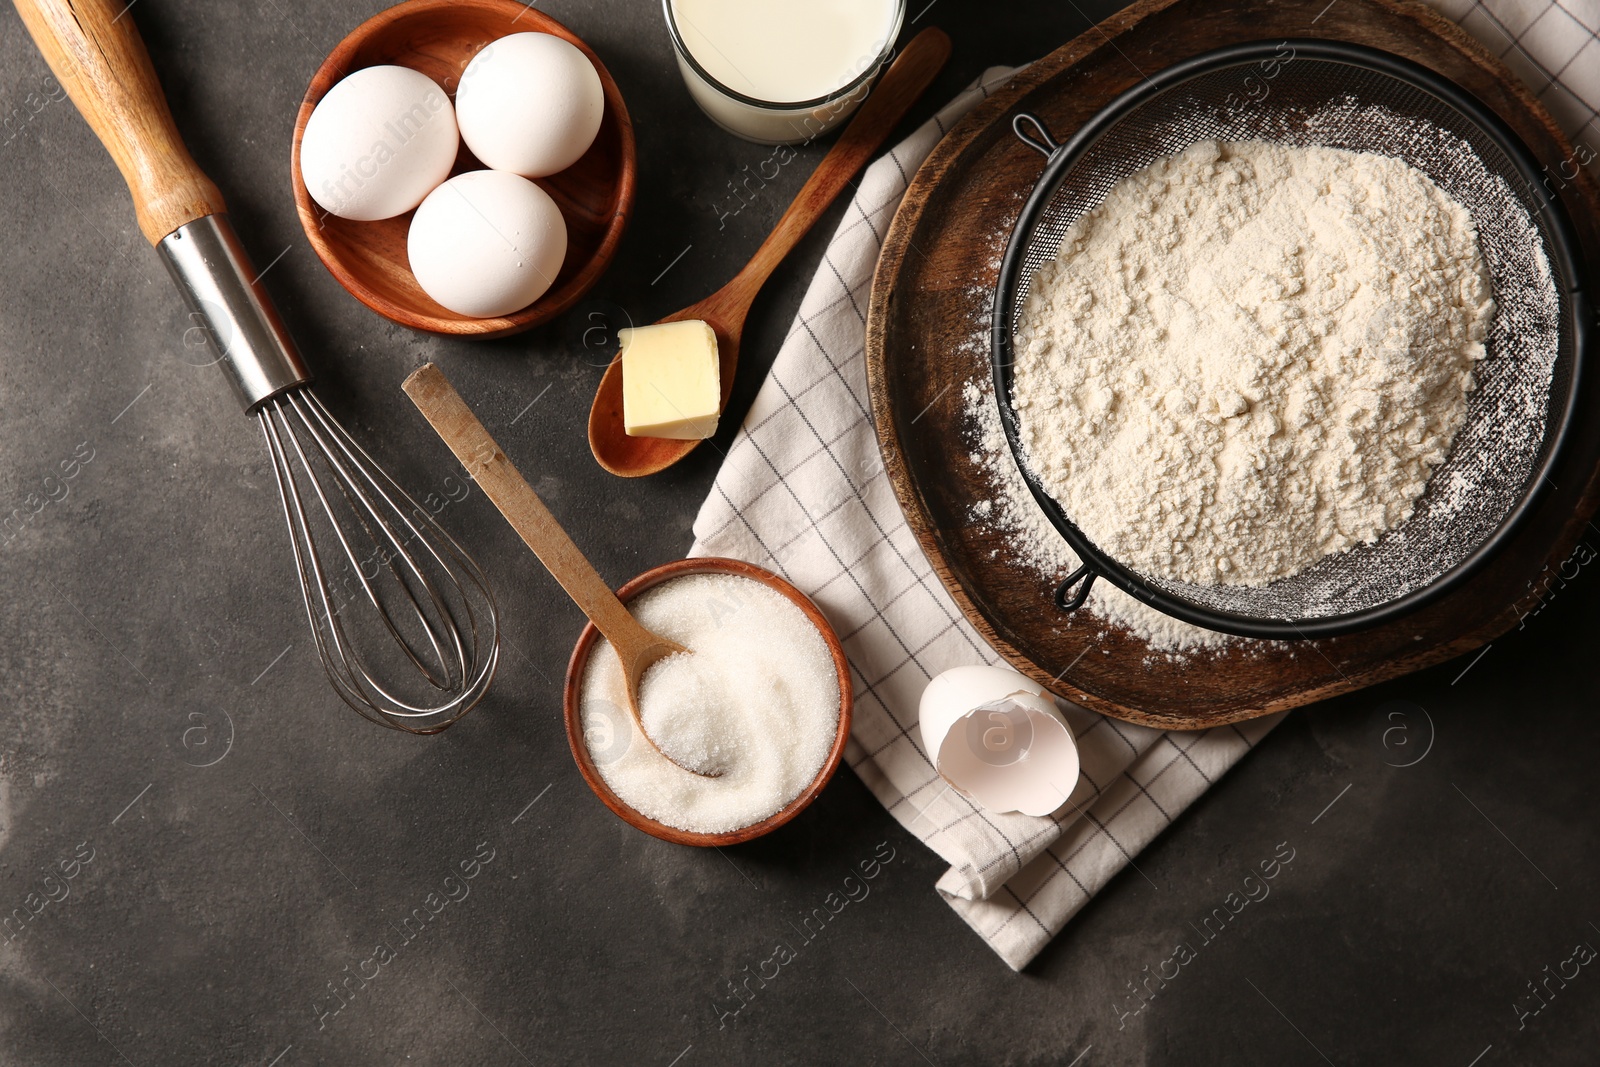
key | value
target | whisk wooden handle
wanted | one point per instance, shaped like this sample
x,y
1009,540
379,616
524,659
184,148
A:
x,y
96,53
504,485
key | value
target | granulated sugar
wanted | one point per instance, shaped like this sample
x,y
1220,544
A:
x,y
756,702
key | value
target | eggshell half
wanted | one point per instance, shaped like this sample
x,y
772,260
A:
x,y
997,738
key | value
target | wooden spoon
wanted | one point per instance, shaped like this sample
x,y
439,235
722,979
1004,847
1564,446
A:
x,y
637,648
726,309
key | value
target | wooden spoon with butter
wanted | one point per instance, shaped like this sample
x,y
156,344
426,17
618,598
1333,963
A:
x,y
725,311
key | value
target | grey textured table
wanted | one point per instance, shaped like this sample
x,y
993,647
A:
x,y
1445,854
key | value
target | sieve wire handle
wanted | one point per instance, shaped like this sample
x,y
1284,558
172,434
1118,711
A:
x,y
1038,137
1083,578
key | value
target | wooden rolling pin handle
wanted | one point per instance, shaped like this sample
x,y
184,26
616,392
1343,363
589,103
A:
x,y
95,52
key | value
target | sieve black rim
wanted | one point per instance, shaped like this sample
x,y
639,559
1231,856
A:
x,y
1564,263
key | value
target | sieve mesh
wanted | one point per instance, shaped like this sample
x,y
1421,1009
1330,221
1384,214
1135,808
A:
x,y
1514,416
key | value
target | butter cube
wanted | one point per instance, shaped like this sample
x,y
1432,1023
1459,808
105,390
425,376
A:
x,y
671,383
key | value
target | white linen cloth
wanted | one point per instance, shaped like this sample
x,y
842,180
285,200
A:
x,y
802,491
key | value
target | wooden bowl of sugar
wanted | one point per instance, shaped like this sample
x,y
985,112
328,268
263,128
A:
x,y
601,733
595,194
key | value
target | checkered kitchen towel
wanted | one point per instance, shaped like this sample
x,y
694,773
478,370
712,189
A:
x,y
803,491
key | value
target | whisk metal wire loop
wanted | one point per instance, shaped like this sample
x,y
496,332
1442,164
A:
x,y
442,637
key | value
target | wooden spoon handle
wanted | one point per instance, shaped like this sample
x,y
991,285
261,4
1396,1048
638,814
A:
x,y
500,481
96,53
906,79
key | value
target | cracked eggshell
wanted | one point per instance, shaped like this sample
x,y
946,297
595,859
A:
x,y
959,690
998,739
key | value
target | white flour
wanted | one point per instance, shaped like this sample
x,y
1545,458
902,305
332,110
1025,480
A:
x,y
1250,356
1037,546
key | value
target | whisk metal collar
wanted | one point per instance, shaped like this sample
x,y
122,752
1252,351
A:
x,y
230,317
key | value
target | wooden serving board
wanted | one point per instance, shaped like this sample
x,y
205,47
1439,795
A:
x,y
930,300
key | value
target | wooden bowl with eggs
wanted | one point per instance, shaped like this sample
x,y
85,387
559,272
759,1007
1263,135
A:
x,y
595,195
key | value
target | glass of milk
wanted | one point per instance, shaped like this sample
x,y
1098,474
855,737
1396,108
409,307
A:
x,y
781,71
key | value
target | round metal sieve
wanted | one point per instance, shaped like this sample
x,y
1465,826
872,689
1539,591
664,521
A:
x,y
1306,92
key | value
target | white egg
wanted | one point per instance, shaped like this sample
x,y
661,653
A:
x,y
487,243
530,103
378,142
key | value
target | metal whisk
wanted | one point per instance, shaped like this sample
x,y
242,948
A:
x,y
372,563
411,645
